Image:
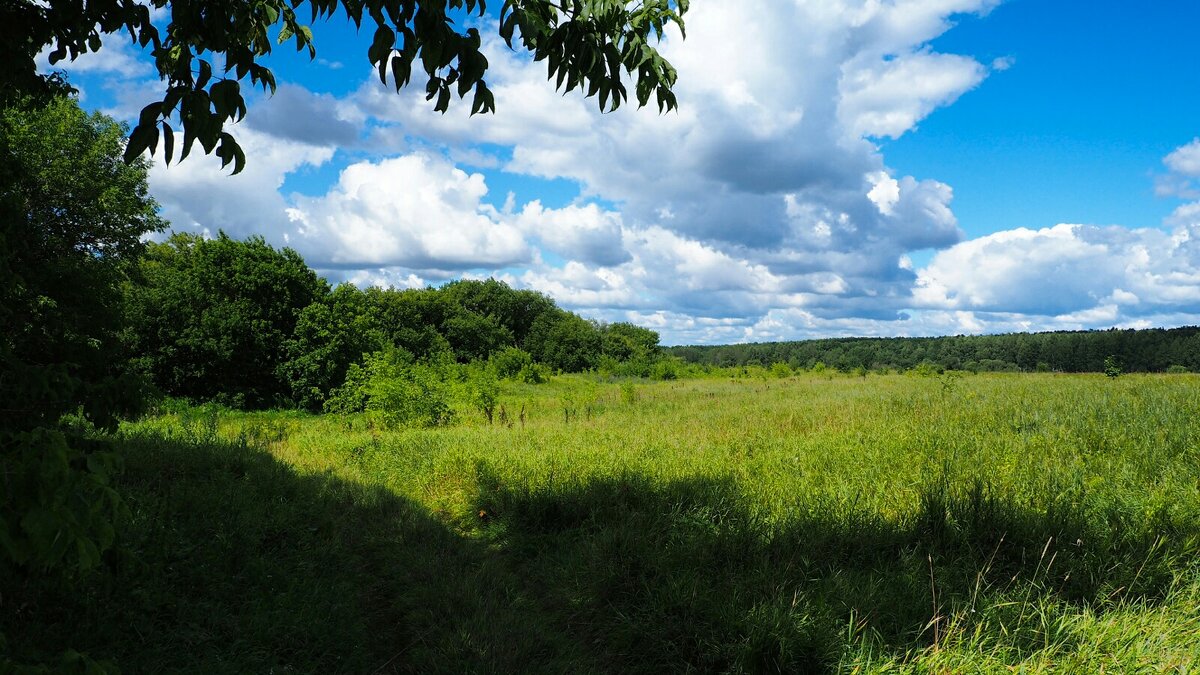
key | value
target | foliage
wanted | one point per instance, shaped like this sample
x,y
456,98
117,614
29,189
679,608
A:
x,y
398,391
665,369
482,390
512,310
509,362
1112,367
474,336
926,369
206,51
1146,350
564,341
331,335
57,507
246,325
626,342
534,373
213,317
71,221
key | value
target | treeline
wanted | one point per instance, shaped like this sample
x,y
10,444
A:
x,y
249,326
1149,350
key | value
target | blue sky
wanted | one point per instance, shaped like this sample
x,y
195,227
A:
x,y
869,167
1098,94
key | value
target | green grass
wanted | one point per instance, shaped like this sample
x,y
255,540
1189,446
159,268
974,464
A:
x,y
813,524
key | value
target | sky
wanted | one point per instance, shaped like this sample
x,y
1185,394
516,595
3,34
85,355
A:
x,y
835,168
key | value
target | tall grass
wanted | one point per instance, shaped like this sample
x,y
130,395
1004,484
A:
x,y
803,524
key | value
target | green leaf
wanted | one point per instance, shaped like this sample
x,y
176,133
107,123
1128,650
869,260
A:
x,y
168,142
204,76
143,137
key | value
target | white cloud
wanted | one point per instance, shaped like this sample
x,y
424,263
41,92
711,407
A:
x,y
1185,160
762,209
116,57
586,233
413,211
888,98
1183,166
1003,63
1085,274
197,194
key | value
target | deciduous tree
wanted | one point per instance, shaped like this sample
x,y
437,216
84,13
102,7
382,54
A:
x,y
205,50
72,216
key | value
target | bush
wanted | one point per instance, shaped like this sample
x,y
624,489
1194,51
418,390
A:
x,y
666,369
1112,367
508,363
1177,370
997,366
398,391
926,369
534,373
781,370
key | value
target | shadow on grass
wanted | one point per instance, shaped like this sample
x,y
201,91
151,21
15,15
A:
x,y
233,562
230,561
684,576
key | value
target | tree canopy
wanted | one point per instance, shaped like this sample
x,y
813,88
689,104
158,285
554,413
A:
x,y
205,49
72,216
210,316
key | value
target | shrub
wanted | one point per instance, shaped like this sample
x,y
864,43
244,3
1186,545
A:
x,y
926,369
534,373
1177,369
397,390
666,369
1112,367
508,363
781,370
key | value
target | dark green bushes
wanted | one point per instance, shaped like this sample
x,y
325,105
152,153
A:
x,y
72,216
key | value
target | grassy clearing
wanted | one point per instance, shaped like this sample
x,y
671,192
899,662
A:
x,y
810,524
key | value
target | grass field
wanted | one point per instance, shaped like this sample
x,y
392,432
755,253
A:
x,y
874,524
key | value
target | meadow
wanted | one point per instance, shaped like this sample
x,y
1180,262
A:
x,y
814,523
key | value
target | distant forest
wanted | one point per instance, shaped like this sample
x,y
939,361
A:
x,y
1150,351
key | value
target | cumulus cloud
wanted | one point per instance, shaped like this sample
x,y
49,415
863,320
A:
x,y
774,110
762,209
1088,274
888,98
1185,160
413,211
586,233
295,113
198,195
1183,177
761,191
